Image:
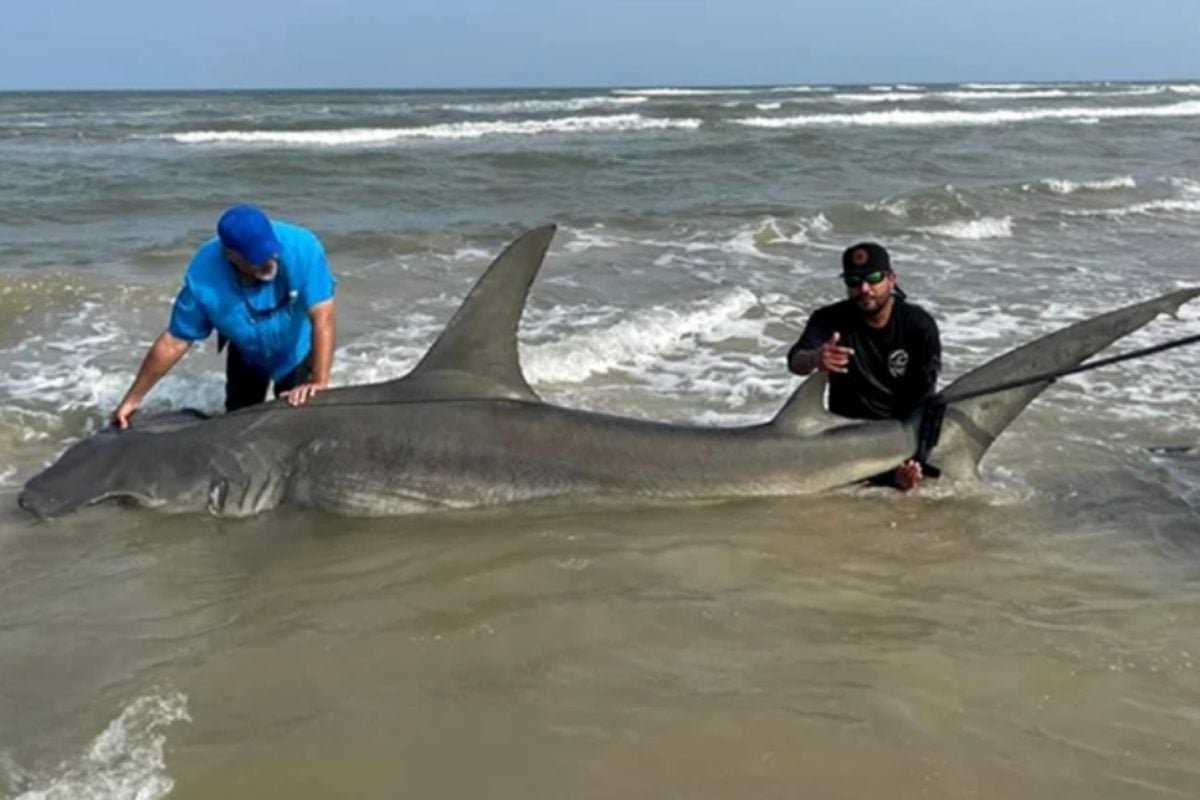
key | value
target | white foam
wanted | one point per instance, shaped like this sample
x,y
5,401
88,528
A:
x,y
619,123
1040,94
901,118
1060,186
879,97
1048,94
7,474
768,106
592,239
636,342
772,230
745,241
1187,185
799,89
667,91
69,373
547,106
1149,207
975,229
125,761
470,254
998,85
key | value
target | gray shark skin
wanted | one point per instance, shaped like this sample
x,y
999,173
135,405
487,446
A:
x,y
464,429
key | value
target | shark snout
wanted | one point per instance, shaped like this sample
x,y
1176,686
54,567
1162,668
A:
x,y
42,503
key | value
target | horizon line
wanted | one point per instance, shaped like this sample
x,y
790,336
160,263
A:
x,y
591,86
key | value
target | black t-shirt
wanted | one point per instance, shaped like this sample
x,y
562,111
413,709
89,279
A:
x,y
893,368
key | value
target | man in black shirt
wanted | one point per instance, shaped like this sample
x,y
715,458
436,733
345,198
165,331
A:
x,y
882,353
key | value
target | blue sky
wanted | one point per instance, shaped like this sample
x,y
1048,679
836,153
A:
x,y
91,44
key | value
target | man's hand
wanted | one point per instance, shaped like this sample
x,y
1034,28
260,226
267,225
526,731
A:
x,y
302,393
834,358
125,412
909,475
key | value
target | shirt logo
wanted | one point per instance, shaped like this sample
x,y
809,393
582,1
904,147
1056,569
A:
x,y
898,363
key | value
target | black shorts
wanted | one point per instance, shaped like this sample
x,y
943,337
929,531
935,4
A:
x,y
246,385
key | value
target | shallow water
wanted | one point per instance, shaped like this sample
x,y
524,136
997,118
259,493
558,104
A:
x,y
1036,636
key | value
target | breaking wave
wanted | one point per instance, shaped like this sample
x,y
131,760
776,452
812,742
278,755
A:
x,y
620,123
125,762
900,118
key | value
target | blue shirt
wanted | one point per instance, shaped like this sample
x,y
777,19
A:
x,y
267,320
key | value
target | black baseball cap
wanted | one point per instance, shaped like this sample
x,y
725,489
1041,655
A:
x,y
866,257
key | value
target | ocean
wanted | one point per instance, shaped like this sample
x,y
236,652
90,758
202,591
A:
x,y
1038,636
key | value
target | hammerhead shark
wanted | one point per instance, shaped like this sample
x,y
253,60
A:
x,y
464,429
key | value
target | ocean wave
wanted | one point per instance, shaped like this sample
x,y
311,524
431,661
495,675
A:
x,y
1035,94
667,91
125,761
637,342
799,89
927,207
880,97
747,240
1169,206
1061,186
1187,185
620,123
974,229
70,372
774,231
998,85
547,106
982,94
904,118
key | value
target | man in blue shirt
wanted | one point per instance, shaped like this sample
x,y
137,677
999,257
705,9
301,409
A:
x,y
265,287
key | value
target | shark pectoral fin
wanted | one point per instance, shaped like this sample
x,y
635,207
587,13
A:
x,y
804,413
476,354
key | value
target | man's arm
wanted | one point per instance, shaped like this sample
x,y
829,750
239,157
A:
x,y
324,322
827,357
163,354
921,384
818,348
802,362
324,325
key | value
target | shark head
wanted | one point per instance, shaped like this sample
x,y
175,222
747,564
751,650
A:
x,y
114,465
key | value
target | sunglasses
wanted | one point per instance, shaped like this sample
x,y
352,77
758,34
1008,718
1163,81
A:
x,y
855,279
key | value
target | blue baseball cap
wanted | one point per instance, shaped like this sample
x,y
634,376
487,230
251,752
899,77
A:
x,y
247,231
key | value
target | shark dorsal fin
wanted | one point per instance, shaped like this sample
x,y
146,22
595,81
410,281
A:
x,y
476,354
804,413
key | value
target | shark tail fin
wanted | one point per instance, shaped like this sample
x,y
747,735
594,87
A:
x,y
970,426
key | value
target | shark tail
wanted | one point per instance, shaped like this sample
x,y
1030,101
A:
x,y
971,426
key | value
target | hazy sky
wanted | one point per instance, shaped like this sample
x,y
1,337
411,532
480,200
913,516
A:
x,y
88,44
